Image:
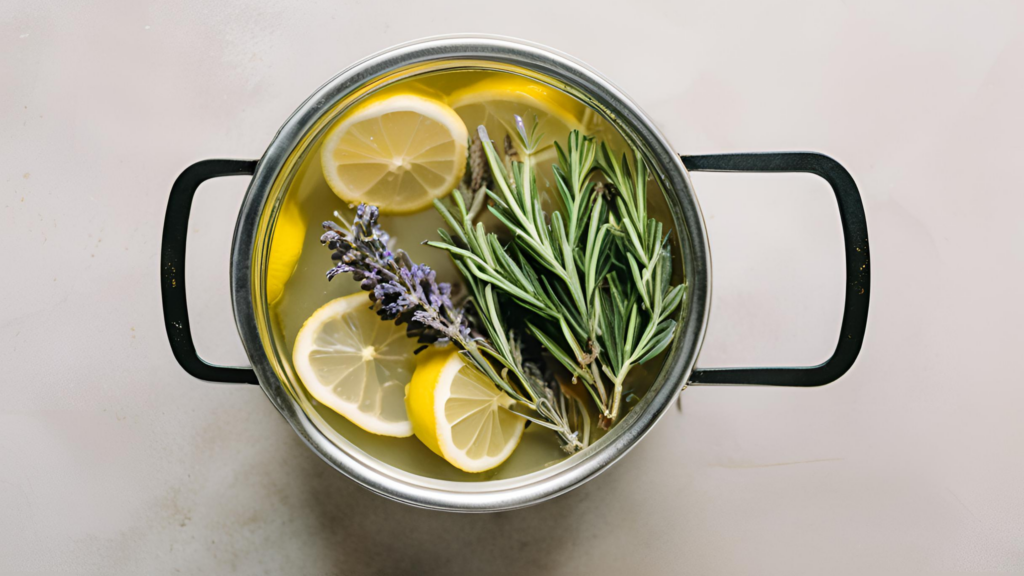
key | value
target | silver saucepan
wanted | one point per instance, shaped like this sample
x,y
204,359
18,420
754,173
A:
x,y
272,173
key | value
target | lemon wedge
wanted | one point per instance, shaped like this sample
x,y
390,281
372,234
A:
x,y
357,365
459,414
398,153
494,102
285,249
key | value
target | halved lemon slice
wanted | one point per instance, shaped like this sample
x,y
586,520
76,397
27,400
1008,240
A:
x,y
601,130
285,249
398,153
459,413
357,365
493,103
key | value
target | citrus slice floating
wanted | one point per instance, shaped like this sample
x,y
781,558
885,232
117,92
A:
x,y
459,413
493,103
398,153
603,131
285,249
357,365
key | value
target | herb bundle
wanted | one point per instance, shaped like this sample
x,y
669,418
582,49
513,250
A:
x,y
596,276
408,293
590,283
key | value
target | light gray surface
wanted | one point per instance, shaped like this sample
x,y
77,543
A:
x,y
112,460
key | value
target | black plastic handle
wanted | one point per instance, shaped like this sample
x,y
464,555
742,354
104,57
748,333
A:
x,y
858,270
172,269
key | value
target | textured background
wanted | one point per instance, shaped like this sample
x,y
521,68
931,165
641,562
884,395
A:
x,y
112,460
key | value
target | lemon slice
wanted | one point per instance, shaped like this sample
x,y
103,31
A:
x,y
494,102
285,249
357,365
602,130
398,153
459,413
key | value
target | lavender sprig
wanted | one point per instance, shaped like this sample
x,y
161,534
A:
x,y
399,289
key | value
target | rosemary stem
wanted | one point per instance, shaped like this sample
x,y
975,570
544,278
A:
x,y
599,386
478,203
616,399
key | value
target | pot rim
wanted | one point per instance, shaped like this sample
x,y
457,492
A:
x,y
571,472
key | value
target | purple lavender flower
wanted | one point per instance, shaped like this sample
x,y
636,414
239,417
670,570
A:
x,y
400,290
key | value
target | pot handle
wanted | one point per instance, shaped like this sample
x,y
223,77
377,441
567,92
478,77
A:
x,y
172,269
858,271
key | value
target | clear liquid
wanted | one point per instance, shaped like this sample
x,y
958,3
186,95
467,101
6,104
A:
x,y
308,289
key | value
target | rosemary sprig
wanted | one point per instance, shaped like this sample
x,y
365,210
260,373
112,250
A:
x,y
643,235
572,176
485,263
562,270
517,204
641,330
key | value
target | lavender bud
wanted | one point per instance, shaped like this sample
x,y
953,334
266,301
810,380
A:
x,y
403,259
400,290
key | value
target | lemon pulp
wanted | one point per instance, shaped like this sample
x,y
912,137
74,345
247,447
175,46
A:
x,y
398,153
459,414
357,365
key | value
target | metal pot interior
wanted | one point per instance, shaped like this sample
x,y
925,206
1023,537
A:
x,y
399,468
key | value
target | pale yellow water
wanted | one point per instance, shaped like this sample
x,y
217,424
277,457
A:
x,y
308,289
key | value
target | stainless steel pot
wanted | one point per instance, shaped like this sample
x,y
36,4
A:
x,y
271,173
